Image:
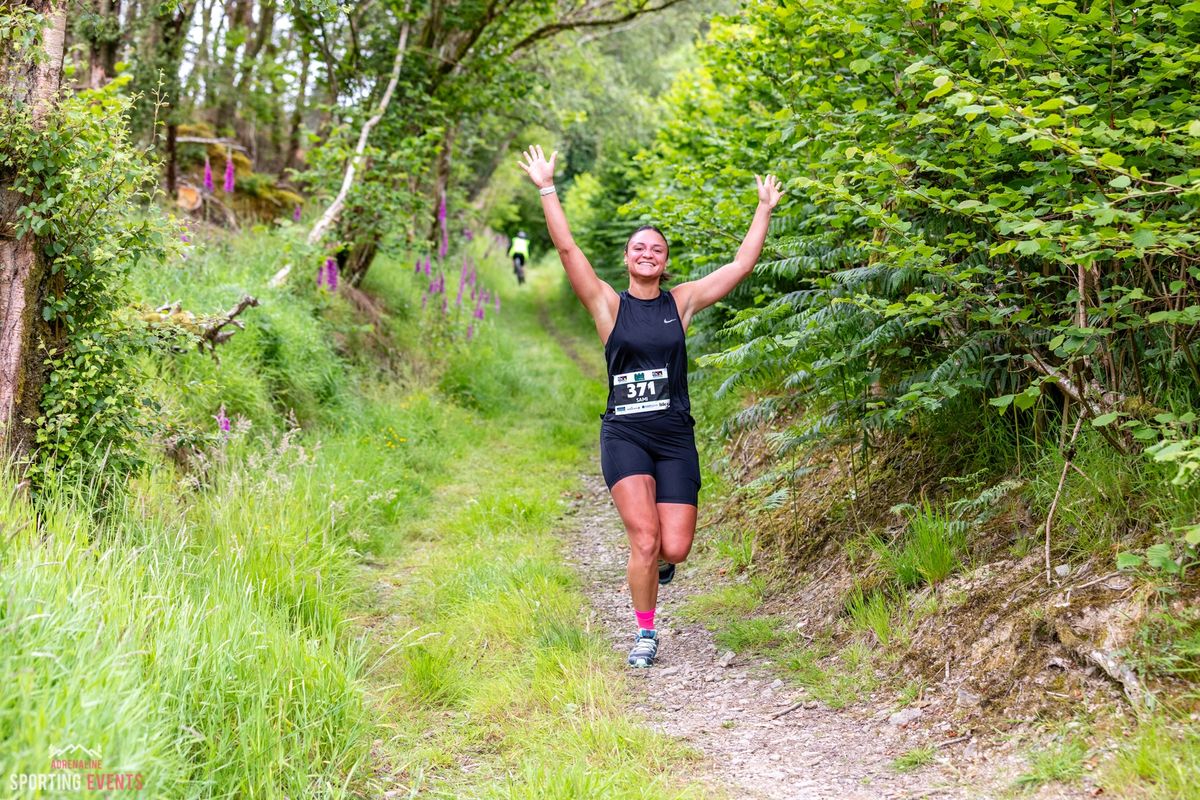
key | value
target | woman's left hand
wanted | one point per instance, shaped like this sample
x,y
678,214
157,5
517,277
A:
x,y
769,190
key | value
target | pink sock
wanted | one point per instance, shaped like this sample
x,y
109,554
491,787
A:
x,y
645,619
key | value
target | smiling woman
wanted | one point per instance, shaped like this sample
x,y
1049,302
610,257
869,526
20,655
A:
x,y
647,446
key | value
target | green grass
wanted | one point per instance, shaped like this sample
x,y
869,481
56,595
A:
x,y
871,612
915,759
1060,762
1167,646
928,552
737,547
724,603
1161,761
838,680
754,634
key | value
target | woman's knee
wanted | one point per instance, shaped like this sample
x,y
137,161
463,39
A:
x,y
643,542
675,552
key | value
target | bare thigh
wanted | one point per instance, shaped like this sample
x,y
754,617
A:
x,y
633,496
677,529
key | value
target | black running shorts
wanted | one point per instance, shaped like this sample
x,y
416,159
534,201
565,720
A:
x,y
664,447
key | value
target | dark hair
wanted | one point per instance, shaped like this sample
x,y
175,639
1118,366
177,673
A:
x,y
648,228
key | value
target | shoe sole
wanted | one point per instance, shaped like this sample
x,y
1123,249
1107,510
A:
x,y
667,577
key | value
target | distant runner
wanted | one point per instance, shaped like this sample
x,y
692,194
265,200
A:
x,y
647,447
519,253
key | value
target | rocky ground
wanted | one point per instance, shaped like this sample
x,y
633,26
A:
x,y
760,735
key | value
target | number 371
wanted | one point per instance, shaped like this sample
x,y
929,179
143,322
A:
x,y
640,389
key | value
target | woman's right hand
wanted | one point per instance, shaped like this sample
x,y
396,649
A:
x,y
539,170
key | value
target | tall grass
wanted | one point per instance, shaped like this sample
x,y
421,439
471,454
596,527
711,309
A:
x,y
197,628
928,552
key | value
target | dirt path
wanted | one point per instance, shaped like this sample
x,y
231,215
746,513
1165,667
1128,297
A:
x,y
724,707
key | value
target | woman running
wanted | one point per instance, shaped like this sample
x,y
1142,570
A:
x,y
647,447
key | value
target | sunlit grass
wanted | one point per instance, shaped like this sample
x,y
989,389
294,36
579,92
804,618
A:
x,y
1161,761
915,758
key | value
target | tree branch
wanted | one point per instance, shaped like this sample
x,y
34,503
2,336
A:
x,y
558,27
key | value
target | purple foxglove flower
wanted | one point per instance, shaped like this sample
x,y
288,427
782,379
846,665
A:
x,y
208,183
458,300
478,314
497,303
183,236
331,274
424,301
468,235
222,420
228,174
445,305
417,267
470,331
296,214
428,266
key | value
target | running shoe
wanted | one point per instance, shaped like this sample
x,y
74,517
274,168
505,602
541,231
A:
x,y
666,571
645,648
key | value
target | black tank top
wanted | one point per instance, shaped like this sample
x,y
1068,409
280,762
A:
x,y
647,360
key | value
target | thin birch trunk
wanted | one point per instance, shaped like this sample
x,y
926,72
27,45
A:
x,y
334,212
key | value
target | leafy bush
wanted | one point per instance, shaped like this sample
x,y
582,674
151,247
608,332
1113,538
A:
x,y
992,200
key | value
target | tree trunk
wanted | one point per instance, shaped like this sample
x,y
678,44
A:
x,y
172,157
292,158
103,42
33,82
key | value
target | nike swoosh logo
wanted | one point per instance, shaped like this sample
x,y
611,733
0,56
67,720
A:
x,y
665,321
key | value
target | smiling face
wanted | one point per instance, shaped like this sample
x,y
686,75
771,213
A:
x,y
646,254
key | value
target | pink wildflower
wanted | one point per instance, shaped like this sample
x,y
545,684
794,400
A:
x,y
229,175
208,181
296,214
222,420
331,274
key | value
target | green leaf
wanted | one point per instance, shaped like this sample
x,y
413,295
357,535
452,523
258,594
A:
x,y
1111,160
1002,402
1143,237
1127,561
1105,419
1193,129
1160,556
859,66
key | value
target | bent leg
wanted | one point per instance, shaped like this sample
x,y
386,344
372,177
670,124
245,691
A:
x,y
677,530
634,498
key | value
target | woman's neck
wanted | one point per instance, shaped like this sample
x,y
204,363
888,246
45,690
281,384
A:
x,y
645,289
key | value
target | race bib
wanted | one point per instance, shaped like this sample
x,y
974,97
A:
x,y
641,391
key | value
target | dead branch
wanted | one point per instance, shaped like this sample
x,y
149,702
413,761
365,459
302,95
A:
x,y
216,332
229,144
1062,479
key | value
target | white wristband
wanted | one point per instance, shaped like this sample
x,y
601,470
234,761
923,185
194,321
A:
x,y
545,190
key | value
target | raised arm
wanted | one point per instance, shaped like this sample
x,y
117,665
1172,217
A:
x,y
597,296
694,296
